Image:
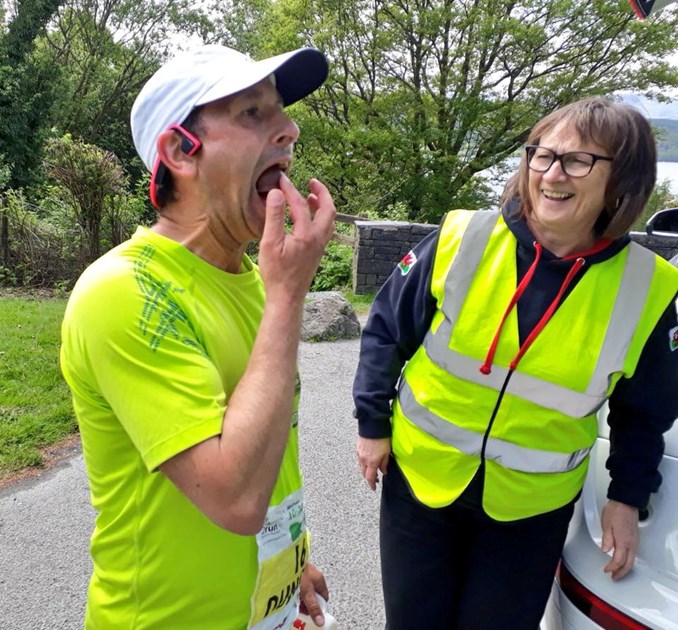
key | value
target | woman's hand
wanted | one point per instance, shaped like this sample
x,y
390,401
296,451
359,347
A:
x,y
620,532
373,455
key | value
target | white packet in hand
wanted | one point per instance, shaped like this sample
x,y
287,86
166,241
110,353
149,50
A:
x,y
304,622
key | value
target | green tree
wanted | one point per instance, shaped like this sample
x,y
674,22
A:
x,y
426,94
25,92
661,198
106,50
97,185
25,89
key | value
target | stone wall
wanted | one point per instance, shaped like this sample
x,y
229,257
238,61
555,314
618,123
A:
x,y
380,245
379,248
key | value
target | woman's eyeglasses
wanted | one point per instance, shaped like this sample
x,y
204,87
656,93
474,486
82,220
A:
x,y
574,163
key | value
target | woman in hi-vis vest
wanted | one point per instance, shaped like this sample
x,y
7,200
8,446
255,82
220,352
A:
x,y
486,357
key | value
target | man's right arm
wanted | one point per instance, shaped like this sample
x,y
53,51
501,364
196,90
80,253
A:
x,y
230,477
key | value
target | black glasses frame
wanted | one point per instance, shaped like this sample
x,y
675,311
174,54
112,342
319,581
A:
x,y
559,158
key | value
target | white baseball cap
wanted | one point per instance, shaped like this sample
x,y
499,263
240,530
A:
x,y
209,73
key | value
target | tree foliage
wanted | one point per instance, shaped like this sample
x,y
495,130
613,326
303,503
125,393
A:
x,y
426,94
25,90
96,182
110,48
661,198
74,67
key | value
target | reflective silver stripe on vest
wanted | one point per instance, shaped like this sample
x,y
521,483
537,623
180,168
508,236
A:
x,y
631,298
463,267
507,454
626,313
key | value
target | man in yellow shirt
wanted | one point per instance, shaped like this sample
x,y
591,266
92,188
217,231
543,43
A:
x,y
181,356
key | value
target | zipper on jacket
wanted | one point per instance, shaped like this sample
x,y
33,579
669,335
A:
x,y
493,416
486,367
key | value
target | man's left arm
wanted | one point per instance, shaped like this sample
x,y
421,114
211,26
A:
x,y
642,409
312,585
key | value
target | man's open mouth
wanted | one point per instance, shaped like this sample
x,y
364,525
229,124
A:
x,y
269,179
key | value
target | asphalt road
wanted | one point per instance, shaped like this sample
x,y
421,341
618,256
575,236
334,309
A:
x,y
45,523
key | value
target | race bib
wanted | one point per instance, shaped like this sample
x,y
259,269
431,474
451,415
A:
x,y
282,553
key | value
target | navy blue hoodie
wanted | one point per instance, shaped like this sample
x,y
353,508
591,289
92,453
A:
x,y
642,407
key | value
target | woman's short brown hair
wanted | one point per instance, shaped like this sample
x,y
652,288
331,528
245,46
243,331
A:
x,y
626,135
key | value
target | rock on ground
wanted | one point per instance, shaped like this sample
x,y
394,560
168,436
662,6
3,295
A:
x,y
328,315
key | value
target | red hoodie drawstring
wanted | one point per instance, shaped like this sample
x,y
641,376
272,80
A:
x,y
486,367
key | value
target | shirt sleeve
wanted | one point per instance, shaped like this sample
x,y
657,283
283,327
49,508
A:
x,y
165,392
400,316
642,409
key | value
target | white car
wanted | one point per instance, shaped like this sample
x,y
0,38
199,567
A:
x,y
583,597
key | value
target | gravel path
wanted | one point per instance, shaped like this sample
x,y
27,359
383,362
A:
x,y
45,521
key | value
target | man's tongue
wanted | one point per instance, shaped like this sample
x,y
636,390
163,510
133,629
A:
x,y
268,180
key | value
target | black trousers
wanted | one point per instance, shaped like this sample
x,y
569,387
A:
x,y
456,568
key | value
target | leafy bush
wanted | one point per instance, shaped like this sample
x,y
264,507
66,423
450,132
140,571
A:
x,y
660,198
335,270
57,228
98,188
40,252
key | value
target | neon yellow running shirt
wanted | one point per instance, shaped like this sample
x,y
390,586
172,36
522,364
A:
x,y
154,341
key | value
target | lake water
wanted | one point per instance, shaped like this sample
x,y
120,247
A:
x,y
665,170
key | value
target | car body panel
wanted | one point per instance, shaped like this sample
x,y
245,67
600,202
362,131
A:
x,y
562,614
649,593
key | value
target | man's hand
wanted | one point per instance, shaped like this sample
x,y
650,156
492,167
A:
x,y
230,477
620,532
373,455
288,261
312,582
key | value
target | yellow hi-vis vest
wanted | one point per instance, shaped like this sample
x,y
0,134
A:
x,y
536,453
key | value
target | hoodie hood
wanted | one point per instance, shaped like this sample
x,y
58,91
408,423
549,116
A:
x,y
603,250
545,280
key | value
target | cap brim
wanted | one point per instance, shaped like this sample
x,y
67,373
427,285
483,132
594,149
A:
x,y
297,74
302,73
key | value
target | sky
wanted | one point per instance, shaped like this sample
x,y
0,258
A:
x,y
652,109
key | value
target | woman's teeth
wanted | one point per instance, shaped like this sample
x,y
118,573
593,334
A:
x,y
552,194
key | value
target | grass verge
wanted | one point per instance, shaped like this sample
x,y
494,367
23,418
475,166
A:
x,y
361,303
35,403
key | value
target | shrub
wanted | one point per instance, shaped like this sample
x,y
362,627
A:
x,y
40,253
335,270
660,198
